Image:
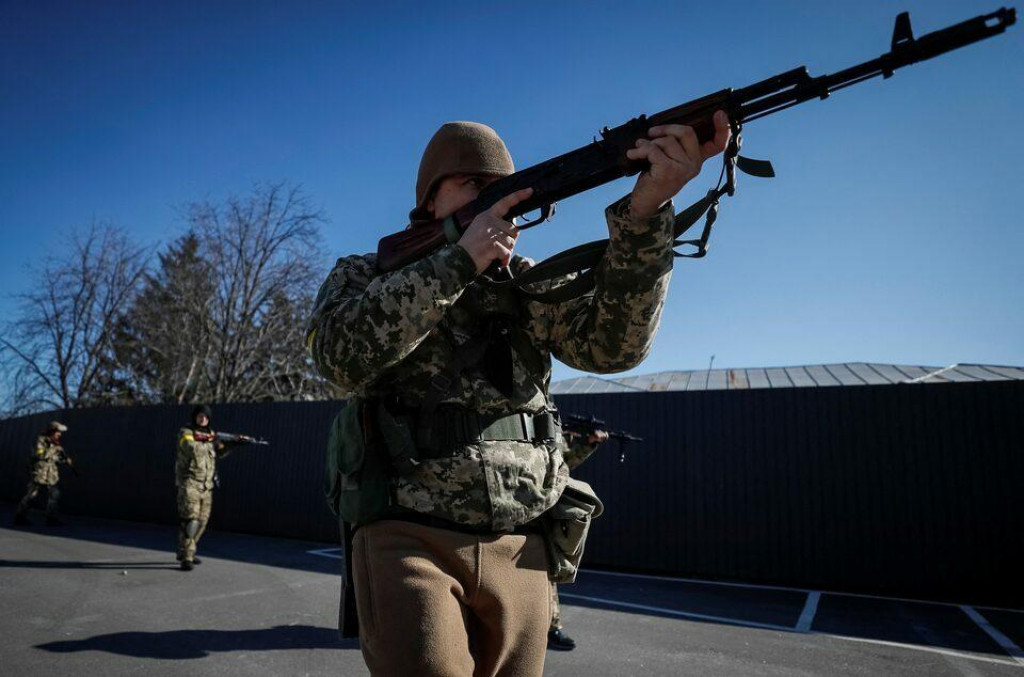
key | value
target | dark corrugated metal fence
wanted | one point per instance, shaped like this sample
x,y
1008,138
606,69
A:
x,y
126,458
911,490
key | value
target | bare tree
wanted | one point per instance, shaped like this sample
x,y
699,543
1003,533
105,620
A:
x,y
164,338
55,353
221,318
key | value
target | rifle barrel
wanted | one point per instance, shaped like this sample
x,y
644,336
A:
x,y
758,101
605,159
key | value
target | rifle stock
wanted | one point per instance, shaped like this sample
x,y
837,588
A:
x,y
605,160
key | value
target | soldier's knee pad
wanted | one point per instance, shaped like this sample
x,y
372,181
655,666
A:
x,y
54,493
192,528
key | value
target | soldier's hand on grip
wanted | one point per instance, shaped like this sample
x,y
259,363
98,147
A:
x,y
490,237
676,157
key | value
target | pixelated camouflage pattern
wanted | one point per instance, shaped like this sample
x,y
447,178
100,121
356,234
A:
x,y
33,489
193,504
388,335
196,462
194,470
45,458
577,450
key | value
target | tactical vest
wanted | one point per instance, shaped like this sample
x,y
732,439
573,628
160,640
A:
x,y
386,434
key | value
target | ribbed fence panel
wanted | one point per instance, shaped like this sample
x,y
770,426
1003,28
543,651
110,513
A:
x,y
897,489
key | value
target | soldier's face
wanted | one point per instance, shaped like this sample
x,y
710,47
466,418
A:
x,y
202,420
457,191
56,435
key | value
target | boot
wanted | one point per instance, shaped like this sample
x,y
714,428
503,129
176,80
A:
x,y
186,565
53,521
196,560
559,641
22,520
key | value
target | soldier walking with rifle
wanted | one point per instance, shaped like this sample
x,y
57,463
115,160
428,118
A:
x,y
579,447
583,435
199,448
47,455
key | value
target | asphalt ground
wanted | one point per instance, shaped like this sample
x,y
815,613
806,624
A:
x,y
101,597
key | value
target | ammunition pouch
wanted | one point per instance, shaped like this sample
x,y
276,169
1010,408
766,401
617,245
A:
x,y
565,527
370,442
356,481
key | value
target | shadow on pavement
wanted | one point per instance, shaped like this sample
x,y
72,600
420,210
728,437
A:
x,y
913,624
183,644
263,550
29,564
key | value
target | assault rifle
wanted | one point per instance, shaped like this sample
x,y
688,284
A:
x,y
605,159
585,426
69,462
229,438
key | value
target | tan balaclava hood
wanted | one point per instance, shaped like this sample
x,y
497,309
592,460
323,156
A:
x,y
458,148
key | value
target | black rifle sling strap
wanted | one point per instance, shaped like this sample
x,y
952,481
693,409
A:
x,y
464,356
582,260
348,618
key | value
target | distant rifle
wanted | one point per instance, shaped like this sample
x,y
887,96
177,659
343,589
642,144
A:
x,y
585,426
69,462
229,438
605,159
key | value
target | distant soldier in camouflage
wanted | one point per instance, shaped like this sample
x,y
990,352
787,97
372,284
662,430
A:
x,y
580,448
453,579
195,471
47,455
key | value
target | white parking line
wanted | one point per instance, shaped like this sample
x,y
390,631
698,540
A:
x,y
1000,639
674,612
333,553
807,615
915,647
756,586
783,628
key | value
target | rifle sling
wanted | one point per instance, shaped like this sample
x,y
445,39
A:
x,y
583,259
467,354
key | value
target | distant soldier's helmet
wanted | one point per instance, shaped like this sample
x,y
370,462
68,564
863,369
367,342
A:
x,y
201,409
458,148
56,427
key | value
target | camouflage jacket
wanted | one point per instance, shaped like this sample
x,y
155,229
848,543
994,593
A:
x,y
45,458
196,462
389,335
578,450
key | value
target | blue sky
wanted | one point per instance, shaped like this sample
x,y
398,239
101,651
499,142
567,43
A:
x,y
892,233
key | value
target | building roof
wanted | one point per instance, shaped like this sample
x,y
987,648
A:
x,y
591,385
809,376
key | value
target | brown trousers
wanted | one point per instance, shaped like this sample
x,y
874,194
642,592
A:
x,y
435,602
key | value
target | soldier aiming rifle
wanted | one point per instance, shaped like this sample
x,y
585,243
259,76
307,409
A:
x,y
447,463
589,426
199,448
